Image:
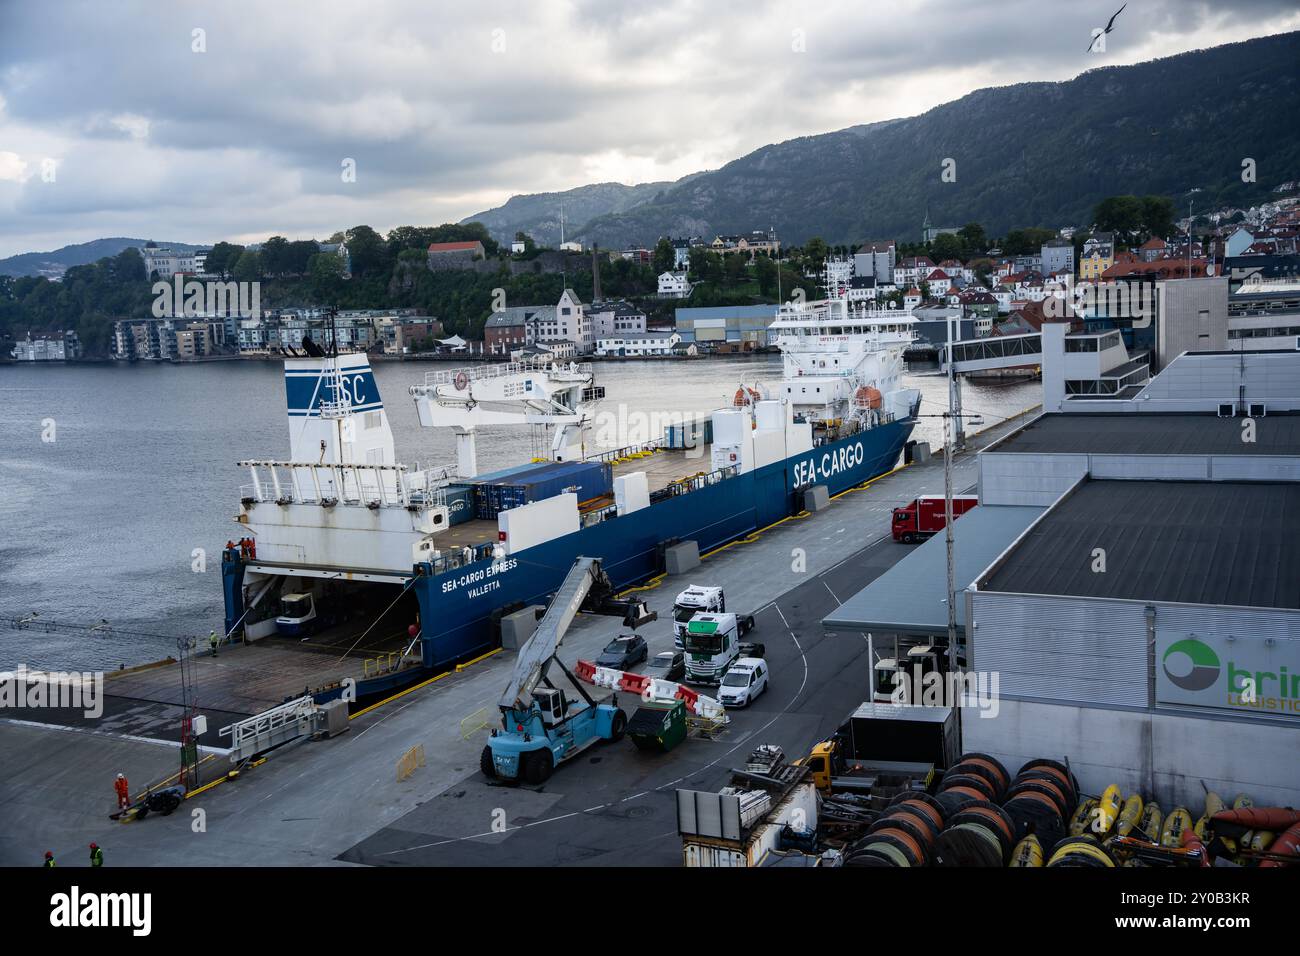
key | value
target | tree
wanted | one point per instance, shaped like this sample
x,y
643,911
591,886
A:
x,y
1158,216
369,253
972,235
222,258
1122,215
815,252
326,275
274,256
248,268
1026,242
298,256
664,257
946,246
766,268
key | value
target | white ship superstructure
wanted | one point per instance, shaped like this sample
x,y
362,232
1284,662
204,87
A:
x,y
843,362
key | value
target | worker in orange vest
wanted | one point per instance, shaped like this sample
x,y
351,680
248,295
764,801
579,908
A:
x,y
123,792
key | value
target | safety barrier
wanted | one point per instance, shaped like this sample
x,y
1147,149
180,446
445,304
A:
x,y
409,762
653,689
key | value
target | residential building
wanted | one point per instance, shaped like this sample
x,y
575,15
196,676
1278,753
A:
x,y
875,260
1057,255
937,282
639,344
681,254
751,244
55,347
912,271
1098,255
674,285
402,334
615,318
165,263
513,328
1151,250
1238,242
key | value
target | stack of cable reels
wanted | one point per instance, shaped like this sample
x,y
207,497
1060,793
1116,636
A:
x,y
903,835
1040,800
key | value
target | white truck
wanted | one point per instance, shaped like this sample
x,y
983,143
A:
x,y
695,600
712,643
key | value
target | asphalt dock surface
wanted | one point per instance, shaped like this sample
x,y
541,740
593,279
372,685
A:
x,y
339,801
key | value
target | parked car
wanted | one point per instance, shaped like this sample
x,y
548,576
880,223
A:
x,y
670,665
622,652
743,682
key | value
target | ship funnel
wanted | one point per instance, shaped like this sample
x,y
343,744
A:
x,y
336,415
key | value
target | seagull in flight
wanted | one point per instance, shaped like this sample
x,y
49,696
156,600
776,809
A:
x,y
1109,26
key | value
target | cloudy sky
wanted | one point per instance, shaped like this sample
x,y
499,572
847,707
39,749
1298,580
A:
x,y
195,121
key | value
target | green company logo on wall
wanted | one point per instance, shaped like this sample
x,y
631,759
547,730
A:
x,y
1204,669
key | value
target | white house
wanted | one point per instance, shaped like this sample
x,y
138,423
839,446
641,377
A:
x,y
569,322
938,282
673,285
638,343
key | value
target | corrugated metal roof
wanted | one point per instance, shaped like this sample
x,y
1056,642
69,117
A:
x,y
908,598
1152,434
1190,542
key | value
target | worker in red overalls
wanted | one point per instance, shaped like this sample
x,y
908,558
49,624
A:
x,y
252,548
123,792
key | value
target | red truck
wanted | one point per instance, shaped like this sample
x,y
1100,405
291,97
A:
x,y
924,516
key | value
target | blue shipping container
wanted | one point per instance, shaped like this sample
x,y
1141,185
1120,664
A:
x,y
586,479
460,503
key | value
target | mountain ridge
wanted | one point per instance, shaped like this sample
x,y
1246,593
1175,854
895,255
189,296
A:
x,y
1036,153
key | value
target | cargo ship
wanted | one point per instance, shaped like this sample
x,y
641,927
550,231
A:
x,y
342,544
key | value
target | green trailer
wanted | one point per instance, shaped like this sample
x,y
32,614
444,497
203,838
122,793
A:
x,y
658,725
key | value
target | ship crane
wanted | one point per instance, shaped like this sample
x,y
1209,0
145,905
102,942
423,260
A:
x,y
516,393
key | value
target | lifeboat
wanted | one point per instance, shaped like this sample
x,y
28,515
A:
x,y
745,395
867,397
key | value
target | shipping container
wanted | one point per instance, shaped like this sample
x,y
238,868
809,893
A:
x,y
586,479
690,434
460,503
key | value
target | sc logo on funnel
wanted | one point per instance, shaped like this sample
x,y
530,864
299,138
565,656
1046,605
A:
x,y
1191,665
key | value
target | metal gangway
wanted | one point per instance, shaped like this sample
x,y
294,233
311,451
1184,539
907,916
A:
x,y
995,351
273,727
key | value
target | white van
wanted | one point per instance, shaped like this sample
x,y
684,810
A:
x,y
744,681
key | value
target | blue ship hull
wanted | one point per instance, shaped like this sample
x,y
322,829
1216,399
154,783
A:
x,y
458,607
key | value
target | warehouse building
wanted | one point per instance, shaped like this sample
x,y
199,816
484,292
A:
x,y
1150,630
1133,580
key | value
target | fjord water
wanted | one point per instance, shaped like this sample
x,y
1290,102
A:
x,y
104,521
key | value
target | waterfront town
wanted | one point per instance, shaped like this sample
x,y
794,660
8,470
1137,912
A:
x,y
884,458
1227,280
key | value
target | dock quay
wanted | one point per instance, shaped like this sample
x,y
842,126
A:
x,y
338,801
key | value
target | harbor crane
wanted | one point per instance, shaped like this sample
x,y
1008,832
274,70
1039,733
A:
x,y
515,393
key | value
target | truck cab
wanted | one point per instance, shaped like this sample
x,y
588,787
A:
x,y
695,600
712,644
297,613
925,516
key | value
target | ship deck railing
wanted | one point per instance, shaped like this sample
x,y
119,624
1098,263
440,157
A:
x,y
477,373
374,486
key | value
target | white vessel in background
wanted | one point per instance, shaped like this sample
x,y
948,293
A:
x,y
843,363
